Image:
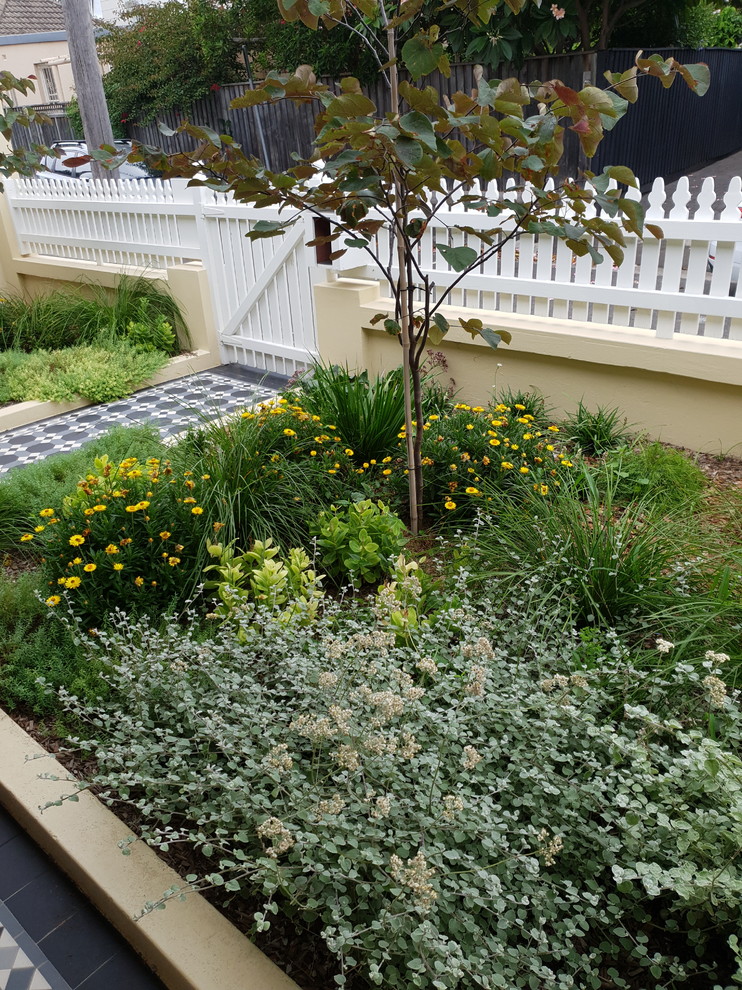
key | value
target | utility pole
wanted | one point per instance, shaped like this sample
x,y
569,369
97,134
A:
x,y
96,123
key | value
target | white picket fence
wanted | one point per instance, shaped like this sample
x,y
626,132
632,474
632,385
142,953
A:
x,y
663,285
262,290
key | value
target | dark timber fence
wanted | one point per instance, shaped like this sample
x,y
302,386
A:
x,y
290,128
672,132
59,129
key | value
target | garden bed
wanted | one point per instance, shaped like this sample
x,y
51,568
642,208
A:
x,y
511,763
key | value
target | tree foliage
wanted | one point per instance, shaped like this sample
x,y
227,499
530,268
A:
x,y
377,181
165,56
19,161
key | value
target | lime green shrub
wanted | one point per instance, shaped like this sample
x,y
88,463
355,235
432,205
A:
x,y
99,373
665,476
262,575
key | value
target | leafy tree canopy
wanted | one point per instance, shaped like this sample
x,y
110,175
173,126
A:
x,y
165,56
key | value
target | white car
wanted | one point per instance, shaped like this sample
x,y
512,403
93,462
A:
x,y
56,167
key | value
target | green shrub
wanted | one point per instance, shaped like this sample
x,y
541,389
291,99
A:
x,y
99,373
33,646
359,541
80,316
531,403
667,477
368,413
25,490
457,812
470,447
151,332
597,432
129,536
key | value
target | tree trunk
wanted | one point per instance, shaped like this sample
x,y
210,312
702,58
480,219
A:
x,y
405,316
96,123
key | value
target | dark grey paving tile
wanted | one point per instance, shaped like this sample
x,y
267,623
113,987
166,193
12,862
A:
x,y
8,827
124,972
20,863
44,904
23,965
81,945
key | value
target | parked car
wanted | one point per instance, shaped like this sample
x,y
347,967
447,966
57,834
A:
x,y
736,260
58,168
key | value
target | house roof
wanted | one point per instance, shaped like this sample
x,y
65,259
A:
x,y
30,16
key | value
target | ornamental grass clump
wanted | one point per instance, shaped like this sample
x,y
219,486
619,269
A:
x,y
450,810
272,471
131,535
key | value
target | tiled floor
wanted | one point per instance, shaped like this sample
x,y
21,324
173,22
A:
x,y
51,938
172,407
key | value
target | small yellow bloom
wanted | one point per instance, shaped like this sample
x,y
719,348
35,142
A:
x,y
189,501
472,491
217,526
544,489
118,567
112,548
205,477
139,581
553,429
524,470
566,463
470,426
387,471
348,452
77,561
77,540
506,465
90,568
197,510
173,561
289,433
73,582
132,508
494,442
46,513
39,529
26,537
125,542
99,508
450,505
312,453
53,600
178,547
165,535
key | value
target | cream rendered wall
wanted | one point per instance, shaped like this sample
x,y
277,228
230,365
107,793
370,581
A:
x,y
686,391
22,60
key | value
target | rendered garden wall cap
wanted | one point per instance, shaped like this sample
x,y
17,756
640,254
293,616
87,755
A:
x,y
189,945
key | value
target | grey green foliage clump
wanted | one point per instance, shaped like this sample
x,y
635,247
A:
x,y
468,806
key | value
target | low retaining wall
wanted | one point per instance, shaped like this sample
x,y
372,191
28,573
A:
x,y
685,391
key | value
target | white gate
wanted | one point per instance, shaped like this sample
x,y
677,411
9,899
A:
x,y
261,289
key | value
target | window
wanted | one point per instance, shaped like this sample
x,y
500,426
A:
x,y
49,81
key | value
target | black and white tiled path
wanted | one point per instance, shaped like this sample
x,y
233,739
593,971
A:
x,y
171,407
51,938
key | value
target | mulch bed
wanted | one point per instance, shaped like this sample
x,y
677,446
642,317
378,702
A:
x,y
296,949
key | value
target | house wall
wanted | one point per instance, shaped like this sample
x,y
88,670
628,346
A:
x,y
23,57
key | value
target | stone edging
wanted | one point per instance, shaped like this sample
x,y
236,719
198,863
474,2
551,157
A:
x,y
26,413
189,945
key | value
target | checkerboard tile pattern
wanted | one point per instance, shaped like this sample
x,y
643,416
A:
x,y
23,966
171,407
